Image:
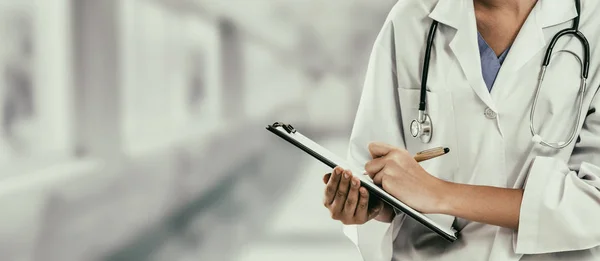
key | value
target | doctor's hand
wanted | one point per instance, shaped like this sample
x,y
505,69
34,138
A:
x,y
350,203
399,174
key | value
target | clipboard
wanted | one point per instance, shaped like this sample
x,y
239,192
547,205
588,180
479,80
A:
x,y
291,135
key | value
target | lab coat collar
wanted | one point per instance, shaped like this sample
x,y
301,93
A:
x,y
554,12
460,15
449,12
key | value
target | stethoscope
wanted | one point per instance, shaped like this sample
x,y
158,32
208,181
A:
x,y
422,127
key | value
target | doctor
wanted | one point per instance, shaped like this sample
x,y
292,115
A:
x,y
522,179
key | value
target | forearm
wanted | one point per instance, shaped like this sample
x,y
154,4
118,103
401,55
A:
x,y
484,204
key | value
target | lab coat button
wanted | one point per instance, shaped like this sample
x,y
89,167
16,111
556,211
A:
x,y
490,114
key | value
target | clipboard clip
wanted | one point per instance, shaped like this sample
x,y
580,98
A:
x,y
286,127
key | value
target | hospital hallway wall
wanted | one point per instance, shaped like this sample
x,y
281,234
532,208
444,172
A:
x,y
135,129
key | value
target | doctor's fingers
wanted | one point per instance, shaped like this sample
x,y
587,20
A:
x,y
379,149
352,199
367,208
380,176
376,165
342,193
362,208
332,186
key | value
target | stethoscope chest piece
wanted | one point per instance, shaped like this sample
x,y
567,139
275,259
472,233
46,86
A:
x,y
422,130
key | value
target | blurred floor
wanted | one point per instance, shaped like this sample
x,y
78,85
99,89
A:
x,y
301,228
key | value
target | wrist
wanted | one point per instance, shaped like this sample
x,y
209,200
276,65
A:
x,y
445,193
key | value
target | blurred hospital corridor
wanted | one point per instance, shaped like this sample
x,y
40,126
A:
x,y
134,130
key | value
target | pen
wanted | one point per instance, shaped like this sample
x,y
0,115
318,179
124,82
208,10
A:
x,y
431,153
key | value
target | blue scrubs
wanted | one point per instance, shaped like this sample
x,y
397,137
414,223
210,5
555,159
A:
x,y
490,63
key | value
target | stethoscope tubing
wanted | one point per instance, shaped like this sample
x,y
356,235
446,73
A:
x,y
423,117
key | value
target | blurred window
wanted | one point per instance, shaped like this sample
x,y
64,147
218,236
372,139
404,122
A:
x,y
17,94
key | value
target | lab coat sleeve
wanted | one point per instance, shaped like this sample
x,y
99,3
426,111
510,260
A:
x,y
560,210
377,119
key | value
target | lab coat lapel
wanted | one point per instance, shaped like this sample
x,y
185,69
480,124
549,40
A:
x,y
461,16
529,43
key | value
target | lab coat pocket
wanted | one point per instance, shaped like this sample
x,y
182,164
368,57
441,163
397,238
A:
x,y
441,111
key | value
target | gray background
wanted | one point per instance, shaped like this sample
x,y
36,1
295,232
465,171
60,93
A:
x,y
134,129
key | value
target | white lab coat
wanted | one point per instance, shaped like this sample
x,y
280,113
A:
x,y
560,212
